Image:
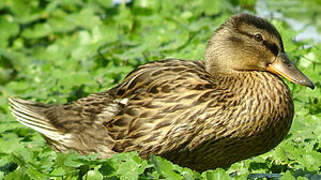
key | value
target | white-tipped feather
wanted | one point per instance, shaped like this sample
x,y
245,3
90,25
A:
x,y
26,114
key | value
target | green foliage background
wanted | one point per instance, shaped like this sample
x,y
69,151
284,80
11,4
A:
x,y
55,51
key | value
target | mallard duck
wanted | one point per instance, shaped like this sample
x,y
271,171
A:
x,y
198,114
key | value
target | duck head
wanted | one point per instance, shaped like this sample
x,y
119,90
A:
x,y
249,43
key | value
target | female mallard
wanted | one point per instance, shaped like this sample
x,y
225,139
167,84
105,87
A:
x,y
197,114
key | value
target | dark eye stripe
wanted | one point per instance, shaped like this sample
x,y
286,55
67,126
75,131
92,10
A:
x,y
271,46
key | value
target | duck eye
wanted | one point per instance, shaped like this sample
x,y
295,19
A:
x,y
258,37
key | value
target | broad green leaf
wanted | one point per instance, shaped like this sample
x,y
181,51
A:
x,y
94,174
10,143
287,176
216,174
39,31
165,168
11,29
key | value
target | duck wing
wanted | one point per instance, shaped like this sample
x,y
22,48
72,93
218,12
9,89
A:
x,y
166,107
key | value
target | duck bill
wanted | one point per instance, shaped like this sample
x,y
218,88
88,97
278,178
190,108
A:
x,y
282,66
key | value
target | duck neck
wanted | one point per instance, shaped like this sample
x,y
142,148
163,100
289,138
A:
x,y
219,55
256,81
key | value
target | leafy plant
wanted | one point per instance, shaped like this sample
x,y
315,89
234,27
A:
x,y
58,51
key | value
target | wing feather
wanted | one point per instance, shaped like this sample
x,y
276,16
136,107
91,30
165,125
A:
x,y
31,114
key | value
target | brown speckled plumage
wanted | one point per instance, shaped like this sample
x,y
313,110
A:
x,y
197,114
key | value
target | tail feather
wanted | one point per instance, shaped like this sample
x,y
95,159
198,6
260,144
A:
x,y
32,114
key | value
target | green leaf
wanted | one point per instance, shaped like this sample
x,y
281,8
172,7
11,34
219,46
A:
x,y
165,168
35,174
19,174
39,31
69,160
214,7
10,143
11,29
94,174
287,176
216,174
